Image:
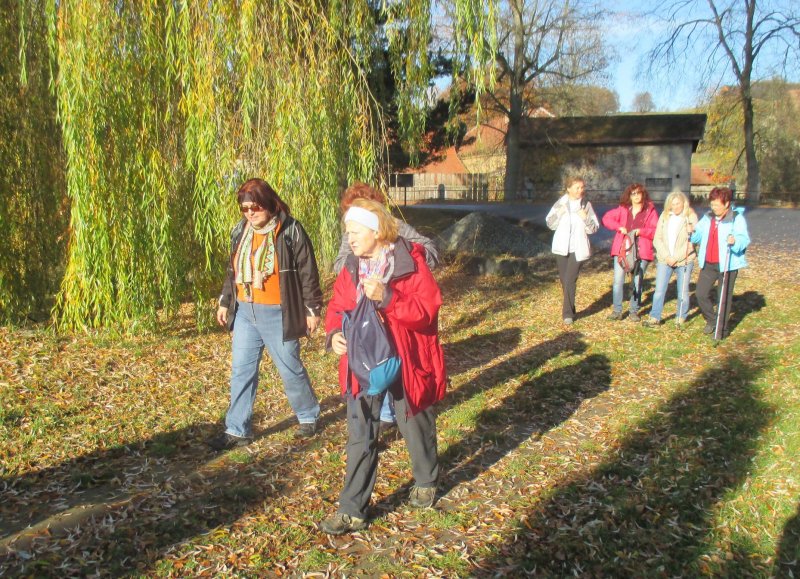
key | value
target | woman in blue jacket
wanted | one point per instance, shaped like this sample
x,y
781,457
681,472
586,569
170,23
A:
x,y
723,238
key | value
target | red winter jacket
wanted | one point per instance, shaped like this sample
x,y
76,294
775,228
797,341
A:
x,y
618,217
411,306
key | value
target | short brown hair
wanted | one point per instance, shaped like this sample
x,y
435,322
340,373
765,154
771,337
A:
x,y
572,180
723,194
359,190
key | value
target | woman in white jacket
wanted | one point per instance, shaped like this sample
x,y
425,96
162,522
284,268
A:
x,y
573,220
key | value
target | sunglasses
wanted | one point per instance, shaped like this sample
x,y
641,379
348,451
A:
x,y
255,208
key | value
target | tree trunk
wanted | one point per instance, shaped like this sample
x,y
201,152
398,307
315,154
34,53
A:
x,y
513,164
753,190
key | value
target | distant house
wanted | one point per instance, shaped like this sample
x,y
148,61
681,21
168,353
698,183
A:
x,y
704,180
609,152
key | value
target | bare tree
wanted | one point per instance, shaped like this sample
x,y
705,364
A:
x,y
733,33
643,103
544,41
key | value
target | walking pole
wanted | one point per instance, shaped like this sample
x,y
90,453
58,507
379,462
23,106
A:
x,y
719,327
685,269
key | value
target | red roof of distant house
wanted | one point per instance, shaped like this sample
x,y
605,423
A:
x,y
487,138
446,161
704,176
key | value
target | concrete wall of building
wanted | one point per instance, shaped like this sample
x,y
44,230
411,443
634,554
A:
x,y
608,170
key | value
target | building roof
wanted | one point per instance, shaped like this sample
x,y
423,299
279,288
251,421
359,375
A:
x,y
613,130
706,176
446,161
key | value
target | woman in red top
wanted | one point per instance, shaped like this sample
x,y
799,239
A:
x,y
635,214
392,272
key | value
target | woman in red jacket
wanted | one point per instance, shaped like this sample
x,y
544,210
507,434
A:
x,y
392,272
635,214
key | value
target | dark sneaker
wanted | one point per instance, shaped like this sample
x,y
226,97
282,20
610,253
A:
x,y
650,323
305,430
709,329
634,317
615,316
339,524
422,497
227,441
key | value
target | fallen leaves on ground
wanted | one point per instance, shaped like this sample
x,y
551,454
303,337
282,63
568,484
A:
x,y
601,449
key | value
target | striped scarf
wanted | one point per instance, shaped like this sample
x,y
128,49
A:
x,y
251,273
380,268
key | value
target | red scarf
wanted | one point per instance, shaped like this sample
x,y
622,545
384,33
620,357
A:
x,y
712,249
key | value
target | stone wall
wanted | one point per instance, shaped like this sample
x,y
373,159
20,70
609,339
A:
x,y
608,170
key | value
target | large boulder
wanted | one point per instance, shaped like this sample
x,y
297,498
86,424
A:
x,y
488,235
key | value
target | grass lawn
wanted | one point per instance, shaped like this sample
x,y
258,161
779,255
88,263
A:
x,y
603,449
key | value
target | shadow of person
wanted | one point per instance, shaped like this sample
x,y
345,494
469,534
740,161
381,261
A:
x,y
478,349
649,511
531,408
787,558
600,304
537,406
744,304
158,478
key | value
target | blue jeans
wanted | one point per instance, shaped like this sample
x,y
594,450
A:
x,y
663,275
636,286
387,410
256,326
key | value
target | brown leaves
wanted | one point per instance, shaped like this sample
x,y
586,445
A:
x,y
607,450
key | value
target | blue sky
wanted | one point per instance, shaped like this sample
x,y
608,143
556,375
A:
x,y
632,36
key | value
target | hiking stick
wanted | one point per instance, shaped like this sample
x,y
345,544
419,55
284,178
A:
x,y
719,327
685,269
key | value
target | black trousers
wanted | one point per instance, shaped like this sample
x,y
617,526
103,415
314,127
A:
x,y
363,417
708,295
568,270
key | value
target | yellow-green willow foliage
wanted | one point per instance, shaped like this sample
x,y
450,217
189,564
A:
x,y
33,205
166,107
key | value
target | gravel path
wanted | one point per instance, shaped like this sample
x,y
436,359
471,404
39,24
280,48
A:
x,y
768,225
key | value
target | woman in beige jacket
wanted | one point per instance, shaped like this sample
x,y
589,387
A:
x,y
675,253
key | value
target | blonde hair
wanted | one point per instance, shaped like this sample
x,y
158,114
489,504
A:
x,y
387,225
668,204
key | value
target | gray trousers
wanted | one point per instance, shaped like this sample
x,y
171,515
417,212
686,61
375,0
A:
x,y
568,270
363,417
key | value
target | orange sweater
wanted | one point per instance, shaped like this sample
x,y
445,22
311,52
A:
x,y
271,294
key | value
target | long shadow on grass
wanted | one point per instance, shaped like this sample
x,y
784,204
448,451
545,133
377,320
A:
x,y
479,349
787,559
650,512
151,486
536,405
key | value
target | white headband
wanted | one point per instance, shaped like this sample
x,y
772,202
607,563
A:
x,y
363,216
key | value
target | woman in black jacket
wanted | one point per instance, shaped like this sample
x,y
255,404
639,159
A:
x,y
271,297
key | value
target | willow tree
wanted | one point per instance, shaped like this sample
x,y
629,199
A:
x,y
165,107
33,206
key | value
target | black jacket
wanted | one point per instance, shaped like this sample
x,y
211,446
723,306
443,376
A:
x,y
301,294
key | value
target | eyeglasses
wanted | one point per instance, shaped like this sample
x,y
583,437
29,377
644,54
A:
x,y
255,208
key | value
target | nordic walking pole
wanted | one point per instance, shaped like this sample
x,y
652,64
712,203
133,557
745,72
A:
x,y
719,327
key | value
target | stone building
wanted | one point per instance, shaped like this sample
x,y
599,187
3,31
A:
x,y
611,152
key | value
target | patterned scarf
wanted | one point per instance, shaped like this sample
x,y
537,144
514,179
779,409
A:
x,y
380,268
247,275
